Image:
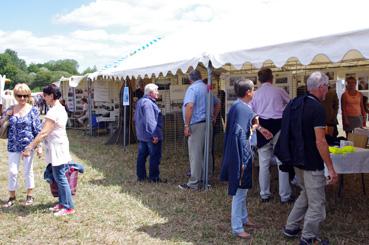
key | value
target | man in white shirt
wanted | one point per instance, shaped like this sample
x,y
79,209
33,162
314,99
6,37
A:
x,y
7,100
268,103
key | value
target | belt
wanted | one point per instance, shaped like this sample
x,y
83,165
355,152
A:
x,y
198,122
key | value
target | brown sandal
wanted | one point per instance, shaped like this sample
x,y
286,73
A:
x,y
10,202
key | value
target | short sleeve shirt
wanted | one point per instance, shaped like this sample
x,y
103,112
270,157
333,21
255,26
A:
x,y
22,130
57,144
313,117
196,94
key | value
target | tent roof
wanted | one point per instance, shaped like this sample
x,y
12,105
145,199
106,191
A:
x,y
274,31
333,48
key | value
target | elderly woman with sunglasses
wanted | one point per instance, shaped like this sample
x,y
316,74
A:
x,y
24,125
57,148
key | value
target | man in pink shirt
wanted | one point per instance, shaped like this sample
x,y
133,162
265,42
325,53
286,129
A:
x,y
268,103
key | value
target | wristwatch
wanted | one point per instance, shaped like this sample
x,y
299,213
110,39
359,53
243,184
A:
x,y
259,128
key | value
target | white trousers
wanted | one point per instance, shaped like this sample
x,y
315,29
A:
x,y
14,159
265,155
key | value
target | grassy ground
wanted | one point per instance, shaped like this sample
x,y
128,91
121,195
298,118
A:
x,y
113,209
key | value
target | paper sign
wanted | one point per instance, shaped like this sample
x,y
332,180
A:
x,y
126,96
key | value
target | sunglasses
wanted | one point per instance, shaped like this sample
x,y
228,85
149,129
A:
x,y
22,96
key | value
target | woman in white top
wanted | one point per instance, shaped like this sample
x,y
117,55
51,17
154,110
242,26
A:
x,y
57,148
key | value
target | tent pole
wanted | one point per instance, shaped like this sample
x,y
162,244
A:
x,y
90,102
124,119
207,130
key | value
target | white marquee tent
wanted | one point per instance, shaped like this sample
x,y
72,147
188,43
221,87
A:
x,y
255,32
309,31
163,57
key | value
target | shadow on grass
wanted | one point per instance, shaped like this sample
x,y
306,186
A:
x,y
20,209
204,217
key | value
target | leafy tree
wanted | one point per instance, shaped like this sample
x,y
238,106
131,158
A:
x,y
34,67
89,70
37,75
21,64
67,65
14,68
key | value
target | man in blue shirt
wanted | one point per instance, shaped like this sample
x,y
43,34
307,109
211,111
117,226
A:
x,y
194,116
149,131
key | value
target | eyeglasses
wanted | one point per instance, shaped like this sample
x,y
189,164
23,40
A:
x,y
22,96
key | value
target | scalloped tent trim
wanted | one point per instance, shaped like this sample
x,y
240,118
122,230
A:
x,y
327,49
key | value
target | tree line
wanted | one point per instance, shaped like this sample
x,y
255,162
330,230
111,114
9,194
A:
x,y
36,75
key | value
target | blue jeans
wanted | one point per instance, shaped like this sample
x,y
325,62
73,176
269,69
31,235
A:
x,y
145,149
65,195
239,215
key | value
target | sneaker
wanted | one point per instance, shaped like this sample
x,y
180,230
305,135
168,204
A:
x,y
29,201
290,200
56,208
291,233
64,211
184,187
313,241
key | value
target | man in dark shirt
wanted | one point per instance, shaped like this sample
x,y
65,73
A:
x,y
139,93
310,205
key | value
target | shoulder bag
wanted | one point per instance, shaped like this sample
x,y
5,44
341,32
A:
x,y
5,127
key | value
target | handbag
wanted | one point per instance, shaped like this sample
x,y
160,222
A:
x,y
72,177
4,128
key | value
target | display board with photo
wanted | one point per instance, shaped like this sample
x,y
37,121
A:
x,y
281,80
330,75
363,81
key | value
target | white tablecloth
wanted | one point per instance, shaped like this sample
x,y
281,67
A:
x,y
352,163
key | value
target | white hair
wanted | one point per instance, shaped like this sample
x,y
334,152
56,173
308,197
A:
x,y
150,87
316,79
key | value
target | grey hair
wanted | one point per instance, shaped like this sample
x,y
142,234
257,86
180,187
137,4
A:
x,y
316,79
150,87
195,75
242,86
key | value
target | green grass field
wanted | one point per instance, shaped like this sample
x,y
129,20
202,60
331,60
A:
x,y
112,208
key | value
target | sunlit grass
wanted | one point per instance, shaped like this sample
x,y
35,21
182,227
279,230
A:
x,y
112,208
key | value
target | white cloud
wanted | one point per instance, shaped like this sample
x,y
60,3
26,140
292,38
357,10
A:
x,y
87,52
106,30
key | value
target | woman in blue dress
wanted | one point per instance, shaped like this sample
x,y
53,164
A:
x,y
24,125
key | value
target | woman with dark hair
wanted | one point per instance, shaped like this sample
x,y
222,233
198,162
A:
x,y
57,148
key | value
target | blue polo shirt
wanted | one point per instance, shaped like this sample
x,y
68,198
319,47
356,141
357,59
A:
x,y
196,93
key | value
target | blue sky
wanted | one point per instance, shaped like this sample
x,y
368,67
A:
x,y
36,15
98,32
